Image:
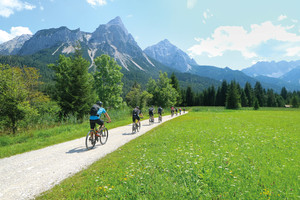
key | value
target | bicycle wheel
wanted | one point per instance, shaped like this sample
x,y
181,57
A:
x,y
90,140
103,136
138,126
133,128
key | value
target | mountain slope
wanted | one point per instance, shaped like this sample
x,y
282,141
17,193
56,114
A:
x,y
169,55
271,69
13,46
292,76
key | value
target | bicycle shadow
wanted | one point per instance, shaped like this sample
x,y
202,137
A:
x,y
77,150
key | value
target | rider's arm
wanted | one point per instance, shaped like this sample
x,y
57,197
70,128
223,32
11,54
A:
x,y
108,117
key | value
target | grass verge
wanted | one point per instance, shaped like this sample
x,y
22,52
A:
x,y
215,154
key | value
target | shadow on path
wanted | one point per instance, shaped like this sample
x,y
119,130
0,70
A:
x,y
77,150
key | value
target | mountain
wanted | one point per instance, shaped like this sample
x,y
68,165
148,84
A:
x,y
169,55
292,76
111,38
271,69
13,46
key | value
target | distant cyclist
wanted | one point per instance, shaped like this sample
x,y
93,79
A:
x,y
183,110
95,115
136,114
159,110
172,110
151,112
176,110
180,111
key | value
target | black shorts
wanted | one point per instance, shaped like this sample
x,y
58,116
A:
x,y
134,117
151,114
93,123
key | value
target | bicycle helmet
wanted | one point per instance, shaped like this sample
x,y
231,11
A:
x,y
138,107
99,103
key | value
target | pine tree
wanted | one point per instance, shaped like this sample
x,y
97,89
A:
x,y
295,102
175,84
73,84
259,94
233,97
249,94
256,104
189,96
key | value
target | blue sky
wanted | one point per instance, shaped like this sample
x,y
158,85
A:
x,y
233,33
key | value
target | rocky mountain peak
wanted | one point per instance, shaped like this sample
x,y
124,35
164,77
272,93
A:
x,y
170,55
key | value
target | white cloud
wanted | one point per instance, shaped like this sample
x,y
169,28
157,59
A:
x,y
206,15
282,17
14,32
293,51
97,2
236,38
8,7
190,4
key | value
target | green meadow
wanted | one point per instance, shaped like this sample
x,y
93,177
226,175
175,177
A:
x,y
210,153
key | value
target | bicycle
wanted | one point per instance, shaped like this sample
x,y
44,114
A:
x,y
94,136
159,119
136,126
151,120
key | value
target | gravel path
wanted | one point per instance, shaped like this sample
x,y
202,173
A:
x,y
26,175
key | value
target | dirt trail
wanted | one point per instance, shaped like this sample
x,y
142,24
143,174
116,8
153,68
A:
x,y
26,175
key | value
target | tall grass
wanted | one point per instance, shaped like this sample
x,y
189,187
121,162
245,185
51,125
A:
x,y
206,154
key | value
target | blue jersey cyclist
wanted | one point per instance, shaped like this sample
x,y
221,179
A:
x,y
96,111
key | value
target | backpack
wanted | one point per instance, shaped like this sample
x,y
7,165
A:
x,y
94,110
135,112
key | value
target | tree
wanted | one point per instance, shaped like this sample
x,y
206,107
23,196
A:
x,y
189,96
175,84
271,101
284,93
163,92
244,100
108,81
249,94
138,98
18,94
259,94
74,92
295,102
233,97
256,104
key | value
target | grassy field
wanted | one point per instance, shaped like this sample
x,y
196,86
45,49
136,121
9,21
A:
x,y
210,153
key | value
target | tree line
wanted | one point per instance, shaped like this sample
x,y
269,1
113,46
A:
x,y
232,95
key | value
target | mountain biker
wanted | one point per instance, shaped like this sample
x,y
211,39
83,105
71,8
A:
x,y
95,115
151,112
159,110
136,114
176,110
172,110
180,111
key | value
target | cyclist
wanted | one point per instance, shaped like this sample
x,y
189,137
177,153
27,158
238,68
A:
x,y
176,110
95,115
151,113
183,110
136,114
159,110
180,111
172,110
